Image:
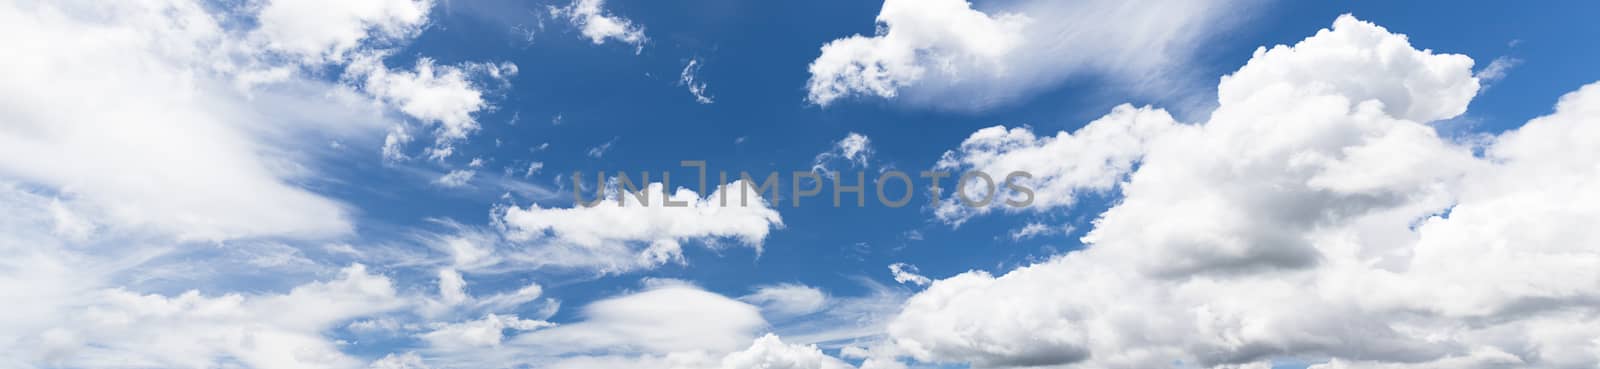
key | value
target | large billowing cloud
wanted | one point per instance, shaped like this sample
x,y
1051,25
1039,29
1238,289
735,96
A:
x,y
131,131
1316,215
948,54
173,117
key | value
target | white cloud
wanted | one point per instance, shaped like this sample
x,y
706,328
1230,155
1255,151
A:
x,y
689,78
1093,159
663,319
906,273
1315,215
668,325
787,300
455,178
1496,70
486,332
447,97
849,321
155,126
533,168
158,115
598,24
600,151
947,54
455,301
322,32
409,360
394,144
1032,230
854,148
163,143
68,224
613,237
118,328
769,352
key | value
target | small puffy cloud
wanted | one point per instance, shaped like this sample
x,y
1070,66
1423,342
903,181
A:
x,y
948,54
598,24
854,148
622,232
409,360
600,151
394,143
882,64
533,168
788,300
906,273
455,178
770,352
444,96
1032,230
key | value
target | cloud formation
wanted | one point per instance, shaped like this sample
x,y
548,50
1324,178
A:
x,y
161,115
1316,215
623,232
854,149
598,25
690,78
947,54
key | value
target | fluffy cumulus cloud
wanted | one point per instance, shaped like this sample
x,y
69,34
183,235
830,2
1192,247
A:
x,y
1316,215
770,352
445,97
949,54
630,230
598,24
321,31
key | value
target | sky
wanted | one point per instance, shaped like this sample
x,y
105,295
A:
x,y
390,184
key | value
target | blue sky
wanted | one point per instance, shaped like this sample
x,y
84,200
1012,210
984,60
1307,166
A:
x,y
754,58
278,184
